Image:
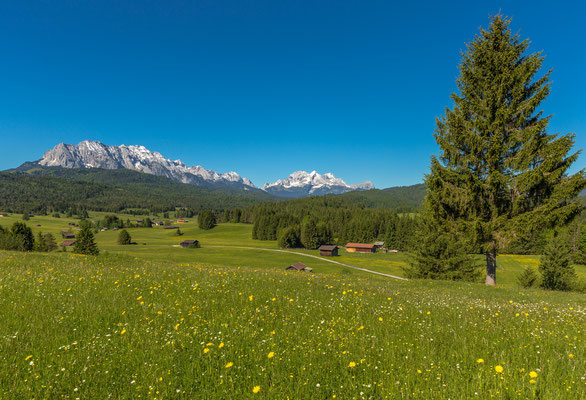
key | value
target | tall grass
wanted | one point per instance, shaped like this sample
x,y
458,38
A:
x,y
119,327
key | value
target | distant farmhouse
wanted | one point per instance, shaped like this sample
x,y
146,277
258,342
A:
x,y
189,244
171,227
68,235
328,250
298,267
360,248
67,243
379,244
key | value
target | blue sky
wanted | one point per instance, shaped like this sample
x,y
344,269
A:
x,y
263,88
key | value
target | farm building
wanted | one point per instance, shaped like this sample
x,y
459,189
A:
x,y
67,243
189,244
3,215
171,227
379,244
182,220
68,235
298,267
329,250
360,248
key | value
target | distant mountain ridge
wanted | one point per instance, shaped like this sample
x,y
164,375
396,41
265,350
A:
x,y
302,184
91,154
94,154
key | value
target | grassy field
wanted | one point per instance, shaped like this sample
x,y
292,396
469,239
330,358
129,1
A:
x,y
230,245
121,327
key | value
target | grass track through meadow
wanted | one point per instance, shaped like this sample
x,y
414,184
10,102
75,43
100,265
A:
x,y
319,258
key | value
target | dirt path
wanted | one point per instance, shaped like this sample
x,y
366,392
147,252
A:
x,y
319,258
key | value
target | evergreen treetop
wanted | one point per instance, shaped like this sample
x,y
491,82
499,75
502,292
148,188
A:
x,y
499,173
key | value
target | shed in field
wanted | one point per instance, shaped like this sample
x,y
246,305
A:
x,y
328,250
360,248
171,227
67,243
298,267
68,235
379,244
189,244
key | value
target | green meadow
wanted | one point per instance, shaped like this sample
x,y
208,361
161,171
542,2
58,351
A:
x,y
155,321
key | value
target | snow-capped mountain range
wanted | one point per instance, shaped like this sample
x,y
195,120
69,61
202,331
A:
x,y
94,154
301,184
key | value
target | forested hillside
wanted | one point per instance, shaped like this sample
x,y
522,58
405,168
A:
x,y
49,190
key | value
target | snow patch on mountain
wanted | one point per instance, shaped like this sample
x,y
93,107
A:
x,y
302,183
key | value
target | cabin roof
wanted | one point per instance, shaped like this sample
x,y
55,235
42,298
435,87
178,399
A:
x,y
360,245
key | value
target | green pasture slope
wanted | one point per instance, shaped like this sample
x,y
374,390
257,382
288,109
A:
x,y
120,327
228,245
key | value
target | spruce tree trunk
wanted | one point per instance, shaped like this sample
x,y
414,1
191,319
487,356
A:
x,y
491,267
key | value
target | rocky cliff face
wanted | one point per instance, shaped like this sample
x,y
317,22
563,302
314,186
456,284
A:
x,y
93,154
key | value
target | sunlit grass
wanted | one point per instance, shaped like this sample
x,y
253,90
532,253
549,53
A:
x,y
120,327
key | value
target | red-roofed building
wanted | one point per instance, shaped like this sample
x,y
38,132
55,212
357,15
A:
x,y
360,248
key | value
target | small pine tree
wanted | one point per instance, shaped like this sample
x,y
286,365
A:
x,y
50,242
124,237
41,243
178,232
310,236
85,243
528,278
556,271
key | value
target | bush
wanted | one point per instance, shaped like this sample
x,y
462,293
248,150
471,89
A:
x,y
289,237
206,220
528,278
555,268
24,236
124,237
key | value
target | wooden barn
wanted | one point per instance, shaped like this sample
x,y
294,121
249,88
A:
x,y
379,244
298,267
68,235
189,243
328,250
360,248
171,227
67,243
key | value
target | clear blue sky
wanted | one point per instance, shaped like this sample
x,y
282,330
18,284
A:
x,y
263,88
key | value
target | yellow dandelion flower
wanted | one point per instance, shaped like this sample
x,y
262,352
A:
x,y
532,381
271,354
429,312
418,371
380,319
177,326
533,374
206,350
250,297
352,364
221,345
571,356
123,331
480,361
256,389
28,357
498,369
230,364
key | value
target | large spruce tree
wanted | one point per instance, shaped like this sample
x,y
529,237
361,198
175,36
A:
x,y
499,173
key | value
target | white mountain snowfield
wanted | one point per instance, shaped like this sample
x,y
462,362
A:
x,y
301,183
94,154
